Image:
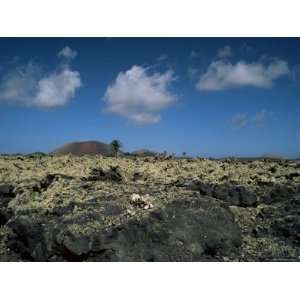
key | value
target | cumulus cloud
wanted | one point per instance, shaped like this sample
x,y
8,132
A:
x,y
18,86
57,89
29,85
140,96
223,75
67,53
225,52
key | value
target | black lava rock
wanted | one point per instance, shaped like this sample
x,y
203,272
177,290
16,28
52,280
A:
x,y
184,230
6,191
247,198
287,219
220,192
113,174
29,241
205,189
74,246
281,193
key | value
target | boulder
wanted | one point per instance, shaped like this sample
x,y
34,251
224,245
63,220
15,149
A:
x,y
286,220
233,195
247,198
281,193
220,192
6,195
113,174
29,240
288,226
205,189
183,231
198,229
5,189
74,245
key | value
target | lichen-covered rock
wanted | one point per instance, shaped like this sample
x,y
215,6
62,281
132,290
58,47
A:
x,y
70,208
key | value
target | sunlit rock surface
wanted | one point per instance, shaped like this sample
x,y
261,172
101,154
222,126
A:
x,y
93,208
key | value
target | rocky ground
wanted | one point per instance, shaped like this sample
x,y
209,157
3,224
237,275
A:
x,y
92,208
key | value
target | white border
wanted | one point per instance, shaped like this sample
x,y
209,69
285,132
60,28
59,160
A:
x,y
149,281
149,18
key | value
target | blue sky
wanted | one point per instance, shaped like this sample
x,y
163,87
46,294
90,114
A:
x,y
205,96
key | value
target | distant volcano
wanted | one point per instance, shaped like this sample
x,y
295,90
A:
x,y
84,148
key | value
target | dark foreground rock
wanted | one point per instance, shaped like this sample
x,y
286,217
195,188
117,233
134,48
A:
x,y
287,222
28,240
184,230
113,174
6,194
5,189
233,195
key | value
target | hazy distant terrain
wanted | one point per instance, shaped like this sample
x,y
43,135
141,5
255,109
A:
x,y
95,208
84,148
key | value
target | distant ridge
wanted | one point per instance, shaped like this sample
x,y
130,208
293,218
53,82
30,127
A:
x,y
84,148
144,152
272,156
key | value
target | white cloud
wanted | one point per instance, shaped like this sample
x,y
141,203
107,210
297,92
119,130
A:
x,y
225,52
30,86
139,96
18,86
67,53
57,89
223,75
